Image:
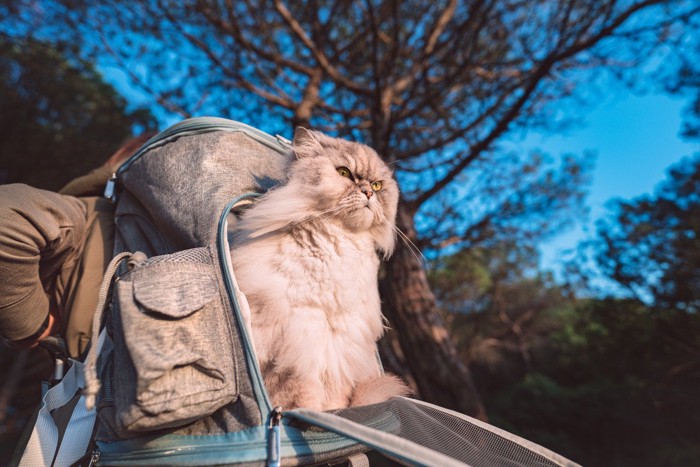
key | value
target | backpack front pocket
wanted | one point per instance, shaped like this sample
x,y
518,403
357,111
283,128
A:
x,y
173,358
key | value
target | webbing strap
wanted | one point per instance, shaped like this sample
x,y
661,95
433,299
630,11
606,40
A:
x,y
358,460
92,384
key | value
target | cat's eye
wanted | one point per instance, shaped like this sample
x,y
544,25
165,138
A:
x,y
344,171
376,186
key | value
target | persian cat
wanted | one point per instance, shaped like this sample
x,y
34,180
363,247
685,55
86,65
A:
x,y
306,257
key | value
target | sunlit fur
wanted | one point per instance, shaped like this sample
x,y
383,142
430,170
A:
x,y
306,257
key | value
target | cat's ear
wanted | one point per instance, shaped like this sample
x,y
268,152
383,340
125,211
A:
x,y
306,142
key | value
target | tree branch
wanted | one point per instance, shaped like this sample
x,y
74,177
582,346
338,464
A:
x,y
322,60
422,63
511,114
278,98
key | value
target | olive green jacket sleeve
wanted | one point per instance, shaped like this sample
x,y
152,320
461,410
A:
x,y
41,239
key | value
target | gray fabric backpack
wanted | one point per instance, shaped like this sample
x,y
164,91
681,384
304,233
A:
x,y
179,380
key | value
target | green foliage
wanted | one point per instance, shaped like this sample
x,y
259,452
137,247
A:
x,y
501,310
619,387
464,281
64,119
601,381
461,279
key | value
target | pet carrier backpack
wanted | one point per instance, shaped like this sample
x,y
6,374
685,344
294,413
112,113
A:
x,y
178,379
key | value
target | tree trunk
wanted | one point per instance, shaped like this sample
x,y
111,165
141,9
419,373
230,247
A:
x,y
410,306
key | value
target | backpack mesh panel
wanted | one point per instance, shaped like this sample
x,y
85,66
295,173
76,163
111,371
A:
x,y
194,255
450,435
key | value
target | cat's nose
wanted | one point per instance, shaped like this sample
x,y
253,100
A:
x,y
367,191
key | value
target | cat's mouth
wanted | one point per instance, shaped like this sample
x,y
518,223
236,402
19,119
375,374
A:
x,y
359,214
359,203
367,206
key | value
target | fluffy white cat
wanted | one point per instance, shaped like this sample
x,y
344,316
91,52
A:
x,y
306,257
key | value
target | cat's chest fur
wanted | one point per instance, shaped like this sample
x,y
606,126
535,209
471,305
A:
x,y
314,303
334,272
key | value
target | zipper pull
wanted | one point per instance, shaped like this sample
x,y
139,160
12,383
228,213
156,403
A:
x,y
94,457
274,440
110,188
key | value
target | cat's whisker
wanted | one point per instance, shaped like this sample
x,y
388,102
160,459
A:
x,y
412,247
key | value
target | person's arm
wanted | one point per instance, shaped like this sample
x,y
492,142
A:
x,y
41,237
93,183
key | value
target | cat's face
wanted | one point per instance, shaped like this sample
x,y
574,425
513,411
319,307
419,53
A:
x,y
349,182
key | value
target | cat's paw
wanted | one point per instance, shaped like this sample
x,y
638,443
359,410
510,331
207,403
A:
x,y
379,389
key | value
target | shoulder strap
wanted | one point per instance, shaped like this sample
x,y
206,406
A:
x,y
92,384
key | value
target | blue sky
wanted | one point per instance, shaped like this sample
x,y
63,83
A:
x,y
636,139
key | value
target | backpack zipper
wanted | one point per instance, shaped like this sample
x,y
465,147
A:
x,y
94,457
274,438
256,378
111,188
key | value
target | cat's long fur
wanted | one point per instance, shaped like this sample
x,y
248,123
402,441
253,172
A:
x,y
305,256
